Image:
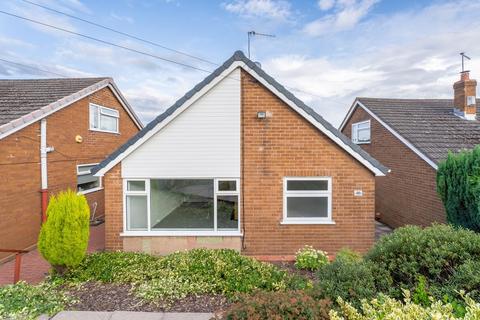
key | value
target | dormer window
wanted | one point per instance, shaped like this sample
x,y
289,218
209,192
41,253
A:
x,y
103,119
361,132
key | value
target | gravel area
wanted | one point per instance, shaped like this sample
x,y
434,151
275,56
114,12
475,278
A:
x,y
93,296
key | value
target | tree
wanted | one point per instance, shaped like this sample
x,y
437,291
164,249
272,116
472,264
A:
x,y
63,238
458,185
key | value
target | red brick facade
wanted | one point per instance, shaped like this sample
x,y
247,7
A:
x,y
20,202
283,145
407,195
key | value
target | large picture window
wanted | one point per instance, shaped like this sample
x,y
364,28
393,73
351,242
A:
x,y
361,132
307,200
182,205
103,119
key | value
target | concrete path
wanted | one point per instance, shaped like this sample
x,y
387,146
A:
x,y
127,315
34,268
381,229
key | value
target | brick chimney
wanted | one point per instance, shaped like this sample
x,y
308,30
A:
x,y
465,93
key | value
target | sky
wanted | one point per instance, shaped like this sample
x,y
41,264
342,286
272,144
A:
x,y
327,51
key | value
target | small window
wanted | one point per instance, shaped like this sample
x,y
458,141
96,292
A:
x,y
86,181
103,119
361,132
307,200
227,185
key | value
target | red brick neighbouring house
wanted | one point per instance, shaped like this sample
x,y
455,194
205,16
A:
x,y
239,162
411,137
72,124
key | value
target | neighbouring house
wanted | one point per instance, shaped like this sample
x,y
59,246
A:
x,y
411,137
239,162
52,132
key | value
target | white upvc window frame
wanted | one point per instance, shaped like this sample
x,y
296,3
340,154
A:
x,y
149,232
82,173
307,193
355,130
101,108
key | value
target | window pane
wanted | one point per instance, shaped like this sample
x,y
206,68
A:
x,y
182,204
227,212
364,125
109,112
309,185
137,212
307,207
136,185
363,135
94,117
108,123
227,185
85,169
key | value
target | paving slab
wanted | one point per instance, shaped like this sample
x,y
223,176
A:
x,y
82,315
129,315
187,316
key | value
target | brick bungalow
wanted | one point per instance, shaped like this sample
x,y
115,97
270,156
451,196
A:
x,y
411,137
239,162
52,132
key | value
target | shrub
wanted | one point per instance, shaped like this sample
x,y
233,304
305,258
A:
x,y
434,253
24,301
278,305
63,239
465,278
386,308
348,255
458,184
349,280
183,273
310,258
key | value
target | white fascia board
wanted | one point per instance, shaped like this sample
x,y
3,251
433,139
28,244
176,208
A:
x,y
166,121
124,102
390,129
26,120
314,122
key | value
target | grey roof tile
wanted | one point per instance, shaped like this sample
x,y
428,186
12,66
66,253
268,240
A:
x,y
21,97
429,124
240,56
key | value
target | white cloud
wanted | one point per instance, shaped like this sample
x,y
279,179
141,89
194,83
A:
x,y
121,18
271,9
348,13
325,5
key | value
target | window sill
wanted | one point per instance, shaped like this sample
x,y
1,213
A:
x,y
305,221
90,190
363,142
105,131
181,234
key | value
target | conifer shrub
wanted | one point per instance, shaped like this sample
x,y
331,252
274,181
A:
x,y
458,185
63,238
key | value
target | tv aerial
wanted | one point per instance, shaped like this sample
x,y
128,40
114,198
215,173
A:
x,y
254,33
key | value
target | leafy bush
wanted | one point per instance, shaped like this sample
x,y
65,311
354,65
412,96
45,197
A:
x,y
458,184
310,258
183,273
467,278
24,301
278,305
347,279
348,255
434,253
386,308
63,239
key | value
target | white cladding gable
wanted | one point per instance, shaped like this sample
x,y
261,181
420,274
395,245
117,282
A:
x,y
202,141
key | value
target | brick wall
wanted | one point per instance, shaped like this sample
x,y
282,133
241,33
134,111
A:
x,y
407,195
20,215
284,145
287,145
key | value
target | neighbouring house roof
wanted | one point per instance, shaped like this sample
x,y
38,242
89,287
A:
x,y
428,126
25,101
240,60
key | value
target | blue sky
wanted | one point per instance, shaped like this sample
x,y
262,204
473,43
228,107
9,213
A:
x,y
330,50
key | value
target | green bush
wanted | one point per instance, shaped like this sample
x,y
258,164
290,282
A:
x,y
386,308
434,253
348,255
184,273
63,239
347,279
310,258
467,278
278,305
24,301
458,184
